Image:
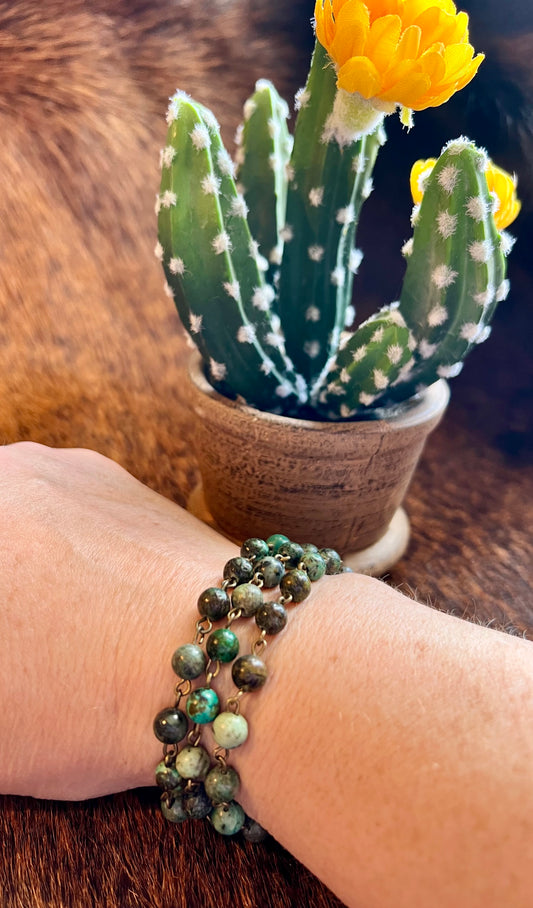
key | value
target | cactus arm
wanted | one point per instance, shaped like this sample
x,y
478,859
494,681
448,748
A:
x,y
328,184
262,160
207,262
454,270
365,367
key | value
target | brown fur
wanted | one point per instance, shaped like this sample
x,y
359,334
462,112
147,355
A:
x,y
90,349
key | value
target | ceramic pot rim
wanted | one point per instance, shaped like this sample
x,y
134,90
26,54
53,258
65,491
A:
x,y
428,406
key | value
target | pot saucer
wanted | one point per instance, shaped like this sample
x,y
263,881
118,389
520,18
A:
x,y
375,560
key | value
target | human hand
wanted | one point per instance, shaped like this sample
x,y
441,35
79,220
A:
x,y
89,557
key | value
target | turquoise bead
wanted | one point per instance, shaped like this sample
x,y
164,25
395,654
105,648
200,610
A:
x,y
271,570
249,672
189,661
291,553
296,584
167,777
248,598
170,725
314,565
193,762
174,811
253,832
202,705
309,547
333,561
230,730
254,548
222,645
238,570
214,603
196,802
271,617
275,542
222,784
227,819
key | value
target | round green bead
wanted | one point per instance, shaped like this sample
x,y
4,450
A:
x,y
167,777
170,725
202,705
333,561
271,617
227,819
254,548
238,569
222,784
197,803
275,541
309,547
314,565
193,762
271,570
297,584
214,603
230,730
222,645
189,661
253,832
249,672
174,811
291,553
248,598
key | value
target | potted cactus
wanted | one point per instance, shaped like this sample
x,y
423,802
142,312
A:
x,y
259,255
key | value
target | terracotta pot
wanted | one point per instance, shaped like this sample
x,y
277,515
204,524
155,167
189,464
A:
x,y
335,484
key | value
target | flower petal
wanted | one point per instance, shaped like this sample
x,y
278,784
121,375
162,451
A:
x,y
359,75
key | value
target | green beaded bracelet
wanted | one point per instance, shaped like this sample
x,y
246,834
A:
x,y
195,785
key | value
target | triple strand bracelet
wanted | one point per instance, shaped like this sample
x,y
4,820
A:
x,y
194,784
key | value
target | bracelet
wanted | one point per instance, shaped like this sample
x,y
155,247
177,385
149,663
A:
x,y
196,785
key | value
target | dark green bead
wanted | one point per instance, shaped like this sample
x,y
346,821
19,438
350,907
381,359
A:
x,y
196,802
254,548
227,819
296,583
275,541
271,570
291,553
253,832
271,617
333,561
249,672
314,565
173,809
248,598
189,661
222,784
214,603
167,777
239,570
203,705
222,645
309,547
170,725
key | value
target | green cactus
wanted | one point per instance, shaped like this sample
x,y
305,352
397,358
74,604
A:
x,y
211,266
456,267
263,280
328,183
369,361
262,159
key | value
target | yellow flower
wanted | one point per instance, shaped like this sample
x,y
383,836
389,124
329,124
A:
x,y
413,53
502,186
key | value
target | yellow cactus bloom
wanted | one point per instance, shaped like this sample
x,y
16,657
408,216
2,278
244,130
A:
x,y
502,186
412,53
